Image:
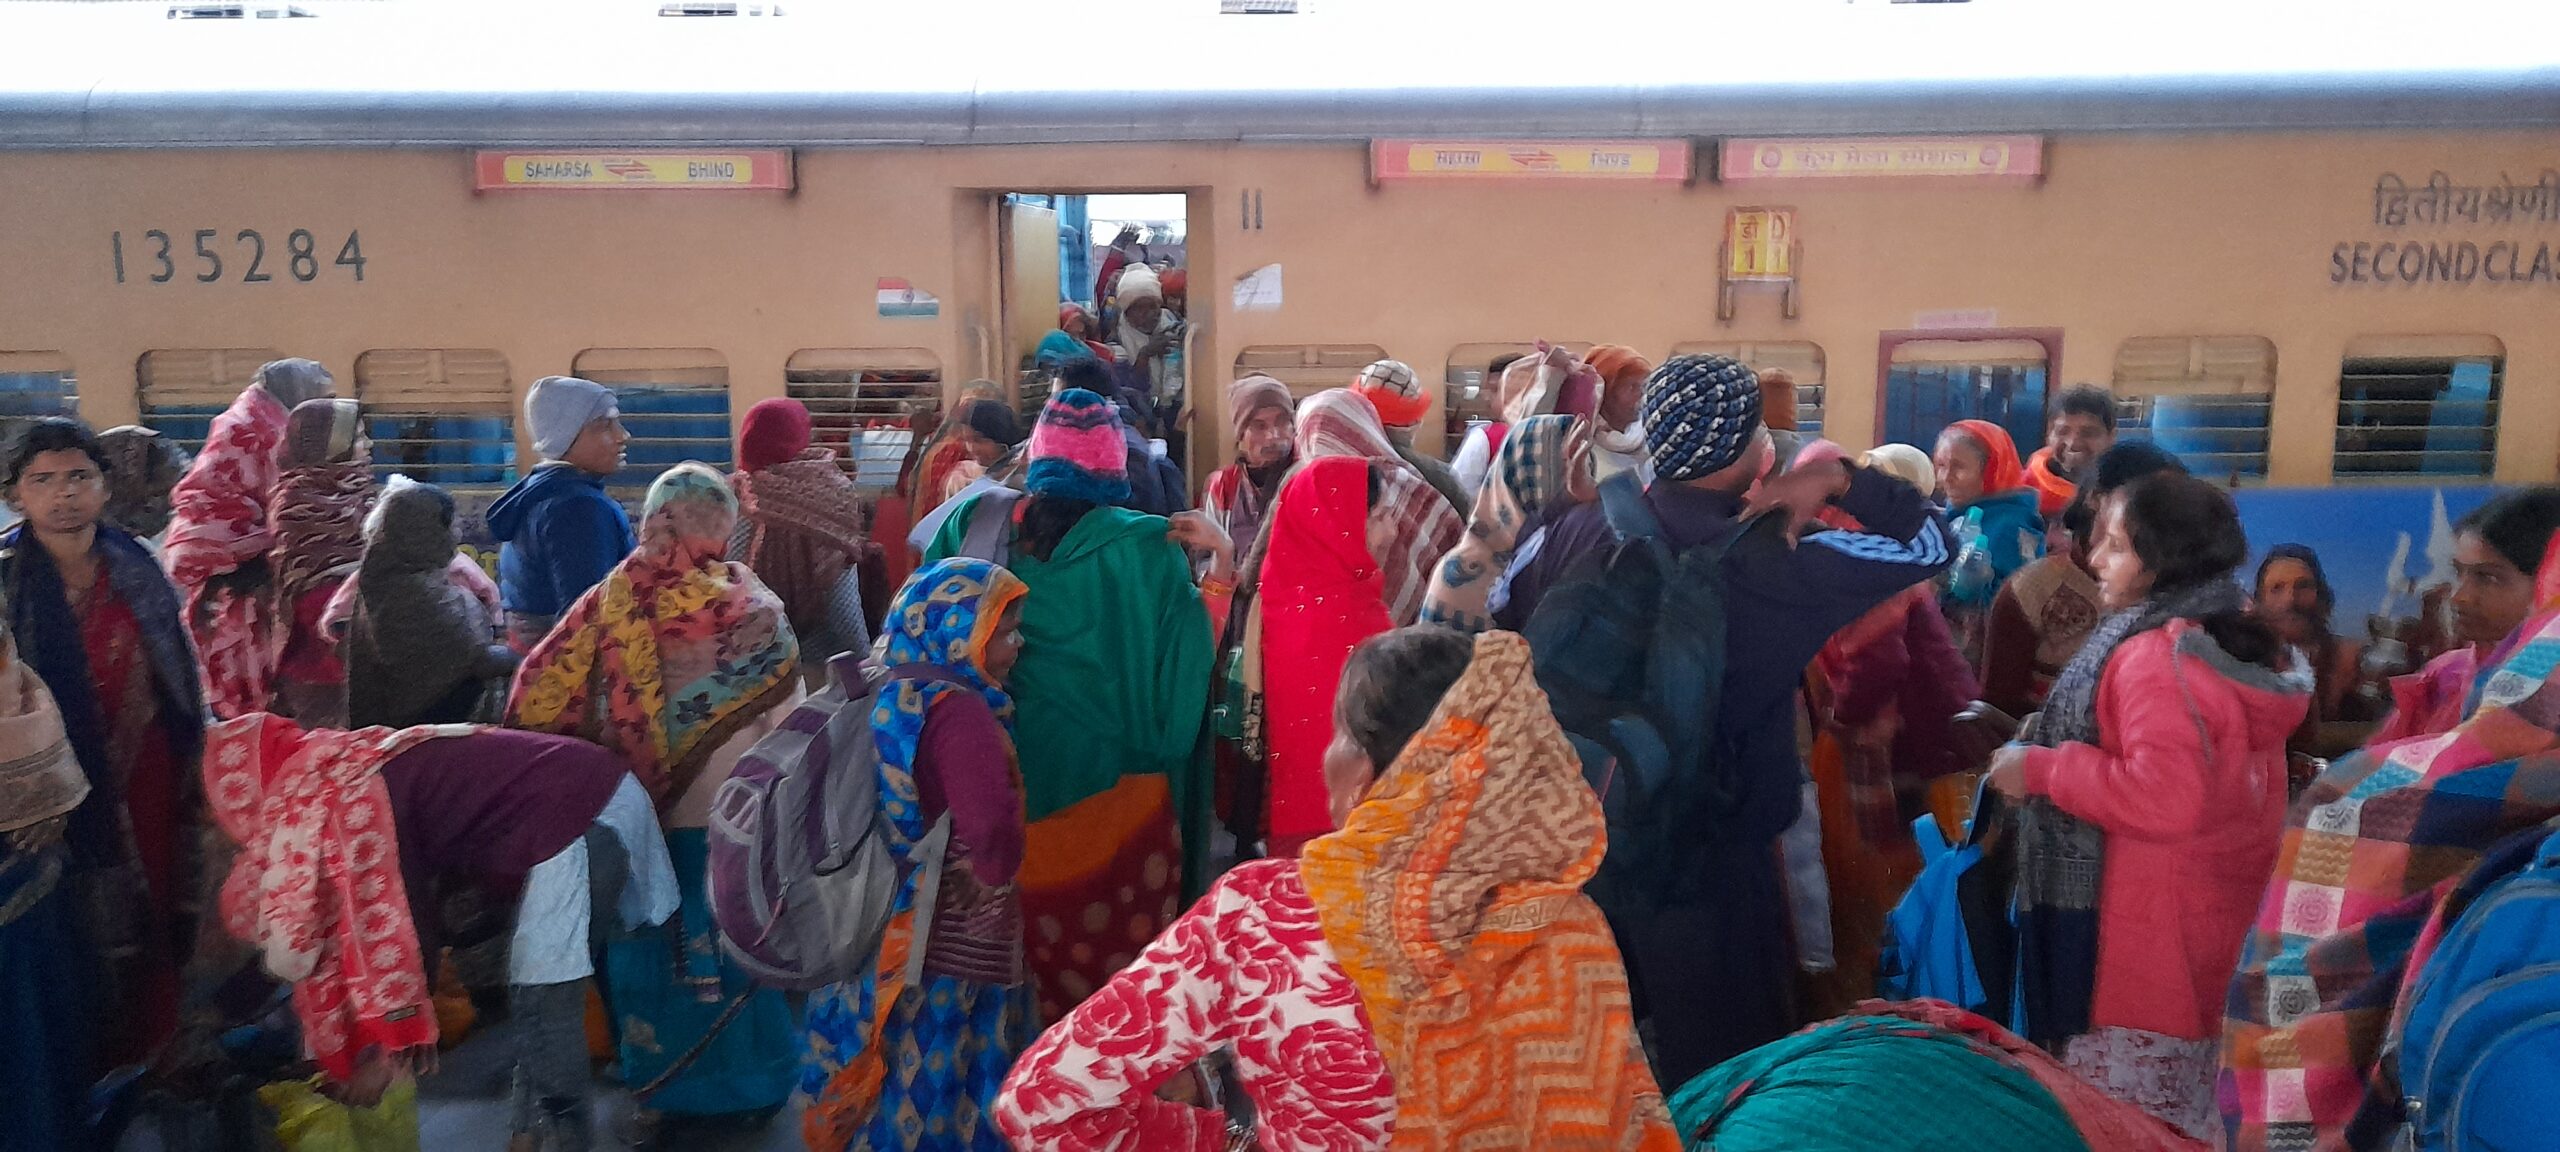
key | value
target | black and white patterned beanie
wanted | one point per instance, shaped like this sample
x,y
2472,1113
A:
x,y
1699,414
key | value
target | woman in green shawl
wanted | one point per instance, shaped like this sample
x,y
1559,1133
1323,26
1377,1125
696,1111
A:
x,y
1111,701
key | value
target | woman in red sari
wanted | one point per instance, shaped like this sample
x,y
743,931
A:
x,y
99,623
1322,594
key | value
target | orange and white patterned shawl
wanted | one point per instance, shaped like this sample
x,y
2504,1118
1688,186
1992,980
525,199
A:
x,y
1453,897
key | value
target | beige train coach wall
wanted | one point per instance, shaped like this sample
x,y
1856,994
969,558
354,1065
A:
x,y
2127,236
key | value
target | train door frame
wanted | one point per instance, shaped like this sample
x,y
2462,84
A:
x,y
2050,339
1206,362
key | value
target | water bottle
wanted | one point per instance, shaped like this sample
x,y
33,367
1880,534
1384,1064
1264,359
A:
x,y
1974,580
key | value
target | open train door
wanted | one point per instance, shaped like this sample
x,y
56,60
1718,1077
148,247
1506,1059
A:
x,y
1030,261
1063,247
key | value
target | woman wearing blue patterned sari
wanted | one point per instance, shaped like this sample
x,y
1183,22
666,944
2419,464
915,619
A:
x,y
922,1072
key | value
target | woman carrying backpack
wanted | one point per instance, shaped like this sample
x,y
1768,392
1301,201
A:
x,y
943,727
679,660
2159,774
2374,850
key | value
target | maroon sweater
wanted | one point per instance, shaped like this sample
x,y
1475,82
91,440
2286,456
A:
x,y
489,806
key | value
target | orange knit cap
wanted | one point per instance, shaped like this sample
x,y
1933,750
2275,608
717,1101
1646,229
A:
x,y
1616,362
1778,399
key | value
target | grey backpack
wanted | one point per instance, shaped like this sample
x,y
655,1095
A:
x,y
801,880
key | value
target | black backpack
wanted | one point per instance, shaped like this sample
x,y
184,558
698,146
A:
x,y
1629,646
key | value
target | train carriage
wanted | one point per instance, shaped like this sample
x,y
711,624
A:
x,y
2311,246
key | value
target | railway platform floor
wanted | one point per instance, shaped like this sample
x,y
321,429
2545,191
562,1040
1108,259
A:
x,y
464,1108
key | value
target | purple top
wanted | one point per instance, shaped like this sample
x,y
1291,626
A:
x,y
490,806
963,768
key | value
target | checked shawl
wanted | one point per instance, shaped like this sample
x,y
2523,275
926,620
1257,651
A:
x,y
1340,422
1453,897
2375,844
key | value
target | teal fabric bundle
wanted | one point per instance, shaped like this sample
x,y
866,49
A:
x,y
1870,1084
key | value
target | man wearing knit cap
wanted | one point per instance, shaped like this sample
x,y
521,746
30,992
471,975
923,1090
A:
x,y
1617,439
1264,418
1713,963
559,534
1778,411
1397,394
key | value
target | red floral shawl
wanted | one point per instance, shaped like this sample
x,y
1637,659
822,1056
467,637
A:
x,y
317,883
218,523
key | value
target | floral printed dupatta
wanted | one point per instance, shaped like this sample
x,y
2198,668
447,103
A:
x,y
1453,898
673,653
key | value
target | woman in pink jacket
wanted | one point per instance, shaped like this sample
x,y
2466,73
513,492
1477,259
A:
x,y
2159,772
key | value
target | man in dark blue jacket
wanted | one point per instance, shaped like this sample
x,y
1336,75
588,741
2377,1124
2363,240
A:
x,y
559,532
1713,968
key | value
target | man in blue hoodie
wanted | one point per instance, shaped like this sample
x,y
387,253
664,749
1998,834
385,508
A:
x,y
560,534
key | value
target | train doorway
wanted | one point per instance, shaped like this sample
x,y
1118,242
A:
x,y
1102,276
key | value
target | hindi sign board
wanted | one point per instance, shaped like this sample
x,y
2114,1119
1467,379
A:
x,y
1984,158
1619,161
767,170
1759,244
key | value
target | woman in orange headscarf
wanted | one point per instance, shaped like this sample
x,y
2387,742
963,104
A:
x,y
1997,521
1429,977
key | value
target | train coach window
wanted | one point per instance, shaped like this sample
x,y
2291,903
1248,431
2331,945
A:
x,y
441,415
34,385
1930,384
2207,398
867,403
1473,389
1308,368
2419,407
674,401
1798,358
183,389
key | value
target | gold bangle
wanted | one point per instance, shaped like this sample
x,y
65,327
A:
x,y
1212,586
